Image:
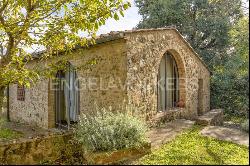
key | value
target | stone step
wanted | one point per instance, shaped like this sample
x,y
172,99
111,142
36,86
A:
x,y
213,118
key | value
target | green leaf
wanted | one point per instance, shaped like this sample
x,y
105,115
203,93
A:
x,y
116,17
122,14
47,27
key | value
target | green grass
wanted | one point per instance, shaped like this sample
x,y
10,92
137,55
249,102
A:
x,y
192,148
6,133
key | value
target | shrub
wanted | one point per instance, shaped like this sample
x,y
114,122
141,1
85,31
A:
x,y
105,130
245,125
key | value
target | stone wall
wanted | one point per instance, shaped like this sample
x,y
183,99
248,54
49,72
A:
x,y
102,83
34,109
205,75
63,149
37,150
124,69
145,50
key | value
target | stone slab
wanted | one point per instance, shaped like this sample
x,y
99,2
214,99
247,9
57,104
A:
x,y
168,132
213,117
228,134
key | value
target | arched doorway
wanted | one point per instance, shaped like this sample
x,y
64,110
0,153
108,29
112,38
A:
x,y
67,97
168,83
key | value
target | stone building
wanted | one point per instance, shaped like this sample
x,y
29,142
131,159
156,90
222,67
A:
x,y
153,68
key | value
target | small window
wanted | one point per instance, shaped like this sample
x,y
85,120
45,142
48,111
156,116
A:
x,y
20,93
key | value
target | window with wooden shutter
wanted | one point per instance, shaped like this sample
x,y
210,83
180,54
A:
x,y
20,93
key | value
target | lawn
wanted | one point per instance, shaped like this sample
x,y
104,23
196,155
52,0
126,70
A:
x,y
192,148
6,133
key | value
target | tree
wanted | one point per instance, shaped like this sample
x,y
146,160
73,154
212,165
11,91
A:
x,y
51,25
204,23
230,82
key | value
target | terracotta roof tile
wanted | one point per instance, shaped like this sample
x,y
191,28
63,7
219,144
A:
x,y
115,35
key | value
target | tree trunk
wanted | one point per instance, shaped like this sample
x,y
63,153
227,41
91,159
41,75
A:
x,y
1,98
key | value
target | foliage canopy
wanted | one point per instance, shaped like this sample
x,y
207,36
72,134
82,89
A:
x,y
51,25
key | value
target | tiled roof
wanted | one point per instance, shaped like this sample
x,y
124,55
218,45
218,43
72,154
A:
x,y
115,35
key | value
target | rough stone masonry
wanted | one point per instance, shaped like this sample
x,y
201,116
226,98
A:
x,y
126,70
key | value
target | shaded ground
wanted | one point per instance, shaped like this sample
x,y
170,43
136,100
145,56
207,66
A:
x,y
227,134
235,119
7,133
12,131
231,124
193,148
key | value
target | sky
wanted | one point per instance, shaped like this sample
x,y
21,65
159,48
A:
x,y
130,20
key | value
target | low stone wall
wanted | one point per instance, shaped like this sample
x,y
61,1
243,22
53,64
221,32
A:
x,y
119,156
60,149
34,151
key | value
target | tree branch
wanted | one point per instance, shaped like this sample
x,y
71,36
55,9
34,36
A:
x,y
49,14
5,3
209,45
10,43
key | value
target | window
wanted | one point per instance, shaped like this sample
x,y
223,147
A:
x,y
20,92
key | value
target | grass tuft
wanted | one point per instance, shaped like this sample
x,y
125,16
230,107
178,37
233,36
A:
x,y
6,133
9,134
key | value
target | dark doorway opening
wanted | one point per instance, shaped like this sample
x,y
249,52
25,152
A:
x,y
67,98
200,97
